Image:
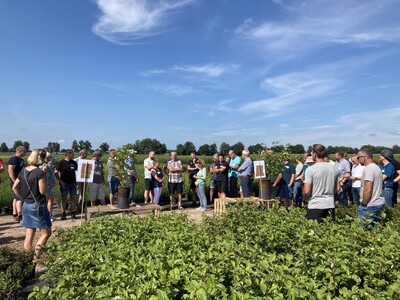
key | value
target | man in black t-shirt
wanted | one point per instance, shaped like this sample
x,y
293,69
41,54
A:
x,y
192,169
15,165
66,175
222,175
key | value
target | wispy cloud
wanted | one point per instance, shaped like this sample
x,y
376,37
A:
x,y
173,89
209,70
126,21
313,24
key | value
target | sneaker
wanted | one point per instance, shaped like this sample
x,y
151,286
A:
x,y
64,216
203,209
199,208
73,216
53,219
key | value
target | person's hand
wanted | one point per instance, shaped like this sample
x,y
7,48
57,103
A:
x,y
62,184
45,168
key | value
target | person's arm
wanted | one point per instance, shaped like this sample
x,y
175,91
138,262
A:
x,y
306,191
42,186
397,179
11,172
367,192
277,180
1,166
292,179
17,188
154,173
57,176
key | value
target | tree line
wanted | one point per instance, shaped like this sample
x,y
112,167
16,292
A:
x,y
145,145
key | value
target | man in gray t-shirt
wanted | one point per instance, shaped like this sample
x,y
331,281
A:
x,y
320,186
371,198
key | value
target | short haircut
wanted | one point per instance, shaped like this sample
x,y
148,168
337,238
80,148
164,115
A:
x,y
215,155
200,162
320,150
83,151
221,154
340,152
155,161
246,152
111,151
20,148
300,158
36,158
68,152
367,152
193,152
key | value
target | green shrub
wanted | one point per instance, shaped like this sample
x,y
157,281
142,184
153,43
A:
x,y
245,253
15,267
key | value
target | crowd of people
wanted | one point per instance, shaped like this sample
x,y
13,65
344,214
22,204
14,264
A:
x,y
315,180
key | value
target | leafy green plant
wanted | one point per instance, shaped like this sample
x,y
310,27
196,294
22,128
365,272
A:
x,y
121,163
273,160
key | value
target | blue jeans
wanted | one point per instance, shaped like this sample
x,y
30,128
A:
x,y
113,185
369,215
245,185
201,192
297,193
388,195
356,195
343,200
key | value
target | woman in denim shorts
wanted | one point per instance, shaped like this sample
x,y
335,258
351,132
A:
x,y
31,187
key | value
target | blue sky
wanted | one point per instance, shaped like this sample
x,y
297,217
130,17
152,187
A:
x,y
205,71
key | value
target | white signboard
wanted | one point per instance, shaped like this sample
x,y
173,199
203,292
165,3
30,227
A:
x,y
259,169
85,170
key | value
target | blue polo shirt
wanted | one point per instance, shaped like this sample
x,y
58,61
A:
x,y
233,162
390,171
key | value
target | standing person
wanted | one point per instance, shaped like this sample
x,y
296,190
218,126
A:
x,y
15,165
96,187
388,175
372,200
213,178
148,164
288,175
222,176
31,187
111,177
298,182
201,184
66,175
389,155
51,183
320,186
133,178
356,174
175,181
344,168
157,178
246,171
192,172
79,185
233,173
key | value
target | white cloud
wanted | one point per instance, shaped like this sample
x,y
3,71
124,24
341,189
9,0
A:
x,y
124,21
173,89
208,70
313,24
62,141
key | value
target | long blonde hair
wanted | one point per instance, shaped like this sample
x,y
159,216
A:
x,y
37,157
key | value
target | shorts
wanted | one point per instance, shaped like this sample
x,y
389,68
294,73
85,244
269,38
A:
x,y
96,191
213,184
148,186
113,185
192,183
222,186
35,215
286,191
68,188
14,196
174,187
319,214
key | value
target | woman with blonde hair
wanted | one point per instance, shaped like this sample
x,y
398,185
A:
x,y
31,187
201,184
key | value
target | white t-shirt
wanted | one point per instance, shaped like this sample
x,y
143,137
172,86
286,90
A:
x,y
374,174
147,173
323,178
357,171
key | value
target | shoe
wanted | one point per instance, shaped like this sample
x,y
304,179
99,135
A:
x,y
73,216
203,209
53,219
64,216
199,208
180,207
19,219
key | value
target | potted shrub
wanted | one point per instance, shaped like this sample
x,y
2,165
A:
x,y
274,162
122,173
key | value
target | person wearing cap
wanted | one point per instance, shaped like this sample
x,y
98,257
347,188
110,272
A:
x,y
96,187
321,183
371,200
389,155
356,174
389,174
